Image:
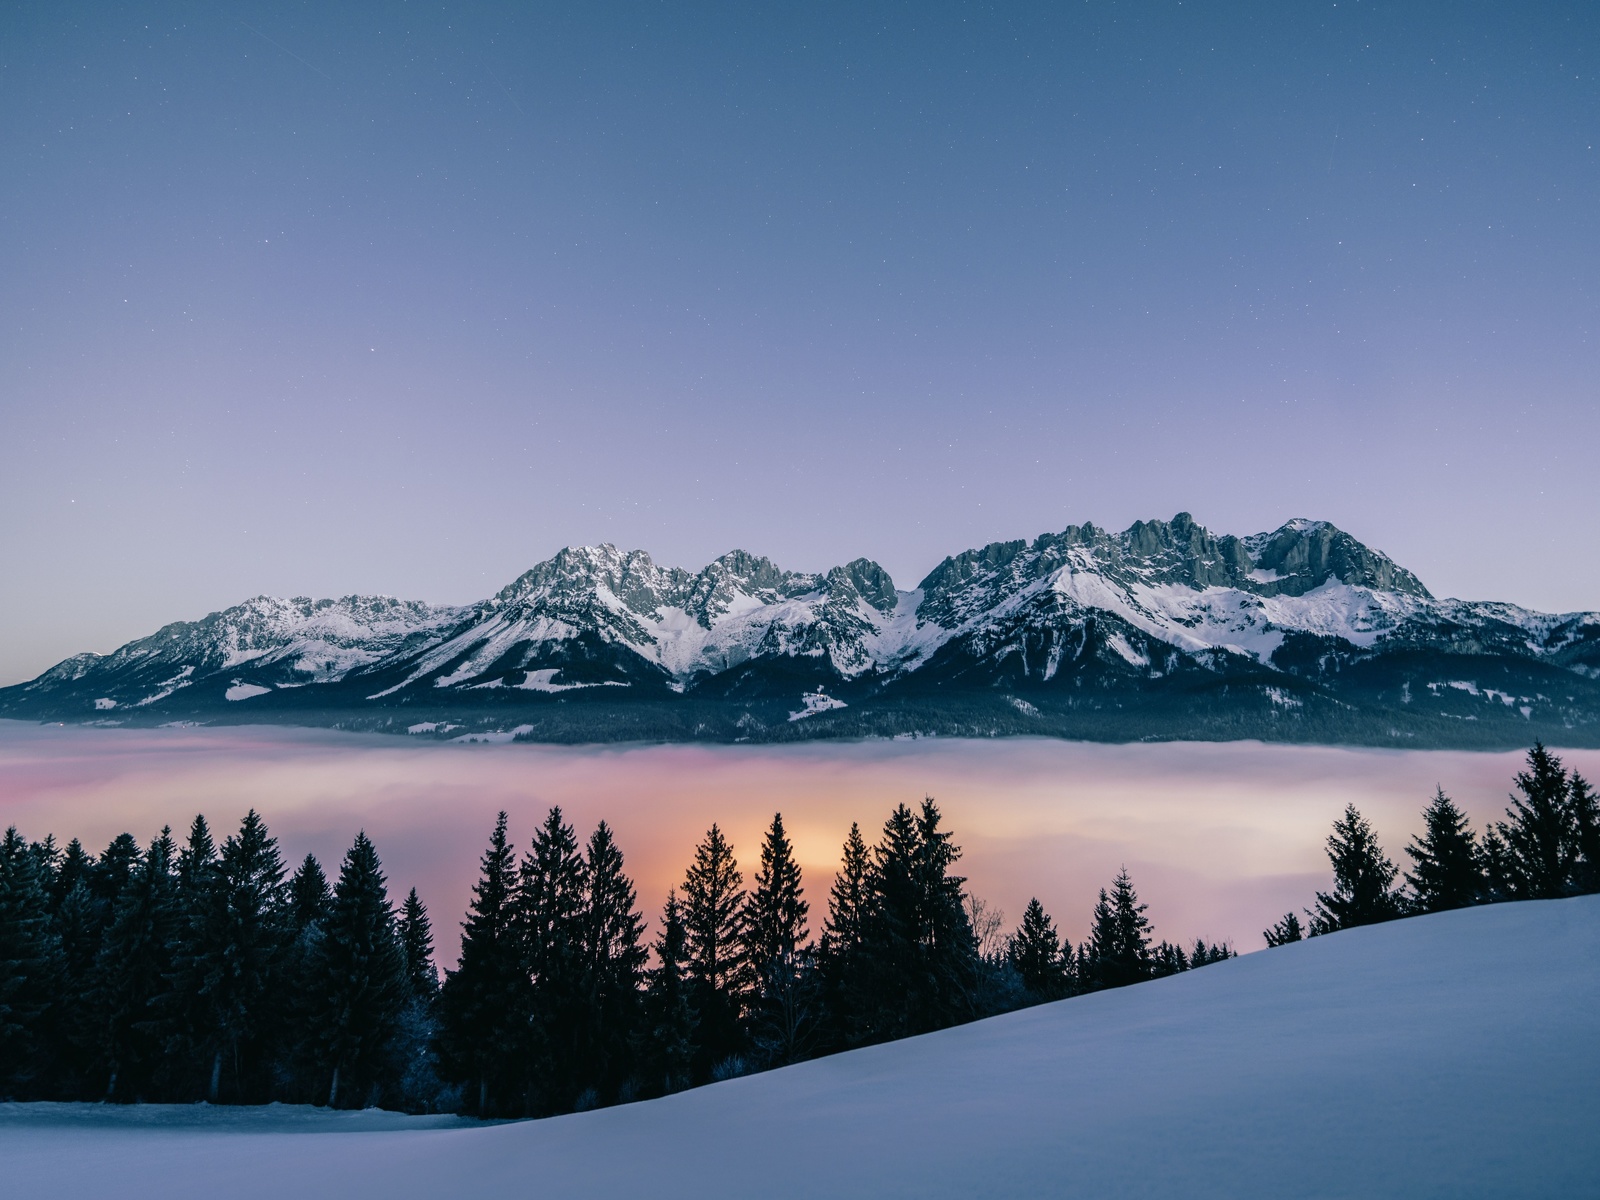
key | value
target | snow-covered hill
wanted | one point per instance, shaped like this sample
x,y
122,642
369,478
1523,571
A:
x,y
1164,629
1451,1055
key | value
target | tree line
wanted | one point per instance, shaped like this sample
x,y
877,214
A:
x,y
1547,847
202,972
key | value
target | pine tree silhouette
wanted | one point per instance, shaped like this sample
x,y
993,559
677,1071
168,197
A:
x,y
136,957
477,1003
1363,878
361,981
1119,942
1035,954
550,902
713,908
416,940
1585,808
1449,868
30,970
1542,836
613,968
668,1006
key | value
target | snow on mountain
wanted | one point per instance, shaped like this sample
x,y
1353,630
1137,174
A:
x,y
1448,1055
1160,600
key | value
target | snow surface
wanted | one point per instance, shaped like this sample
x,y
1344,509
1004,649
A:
x,y
816,702
243,691
1451,1055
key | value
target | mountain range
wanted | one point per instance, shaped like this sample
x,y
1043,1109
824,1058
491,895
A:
x,y
1162,631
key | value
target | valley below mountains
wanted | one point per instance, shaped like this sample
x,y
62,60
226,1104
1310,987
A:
x,y
1163,631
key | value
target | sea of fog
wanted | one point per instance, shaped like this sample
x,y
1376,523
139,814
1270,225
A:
x,y
1220,838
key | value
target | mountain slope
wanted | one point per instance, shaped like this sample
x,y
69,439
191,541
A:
x,y
1450,1055
1163,630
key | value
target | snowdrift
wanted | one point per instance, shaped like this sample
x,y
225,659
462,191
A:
x,y
1451,1055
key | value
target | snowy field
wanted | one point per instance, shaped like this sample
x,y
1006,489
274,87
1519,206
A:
x,y
1453,1055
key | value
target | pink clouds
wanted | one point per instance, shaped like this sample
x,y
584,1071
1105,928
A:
x,y
1219,838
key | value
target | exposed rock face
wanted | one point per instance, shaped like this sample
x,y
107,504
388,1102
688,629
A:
x,y
1164,629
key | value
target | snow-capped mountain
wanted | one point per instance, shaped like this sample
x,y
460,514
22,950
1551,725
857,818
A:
x,y
1162,630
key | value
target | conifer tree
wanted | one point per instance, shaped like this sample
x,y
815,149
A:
x,y
775,914
713,905
919,960
849,899
416,940
1585,808
309,898
1204,955
1168,959
115,867
477,1001
1119,942
76,867
361,978
782,1017
1542,836
1496,859
1035,954
197,859
1448,867
613,966
845,974
1363,878
135,960
79,929
235,953
30,971
552,893
668,1006
1285,931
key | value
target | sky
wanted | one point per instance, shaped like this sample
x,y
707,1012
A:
x,y
309,299
1220,839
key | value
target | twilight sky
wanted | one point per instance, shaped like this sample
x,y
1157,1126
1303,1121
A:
x,y
311,299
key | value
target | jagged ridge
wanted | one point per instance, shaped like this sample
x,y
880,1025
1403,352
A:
x,y
1106,634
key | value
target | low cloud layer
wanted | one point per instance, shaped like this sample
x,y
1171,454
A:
x,y
1220,839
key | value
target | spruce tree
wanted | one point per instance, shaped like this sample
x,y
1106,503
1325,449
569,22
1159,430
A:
x,y
713,905
946,930
361,982
1542,835
1168,959
237,937
116,865
613,967
309,898
79,926
1363,878
416,940
849,899
1119,942
669,1009
197,859
477,1003
552,893
135,961
1285,931
781,1016
1497,870
918,964
1449,870
845,974
1035,954
30,972
1585,808
775,914
76,867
